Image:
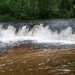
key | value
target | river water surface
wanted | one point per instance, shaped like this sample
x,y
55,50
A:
x,y
37,47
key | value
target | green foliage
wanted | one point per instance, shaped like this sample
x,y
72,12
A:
x,y
74,6
5,17
73,63
36,9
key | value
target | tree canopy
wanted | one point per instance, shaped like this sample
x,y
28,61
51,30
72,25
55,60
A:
x,y
36,9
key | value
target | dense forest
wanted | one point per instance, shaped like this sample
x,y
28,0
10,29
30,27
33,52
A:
x,y
36,9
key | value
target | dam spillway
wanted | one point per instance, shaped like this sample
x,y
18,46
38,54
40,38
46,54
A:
x,y
39,34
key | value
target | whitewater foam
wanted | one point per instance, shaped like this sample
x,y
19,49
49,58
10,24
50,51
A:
x,y
39,33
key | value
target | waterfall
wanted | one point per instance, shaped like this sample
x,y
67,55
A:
x,y
39,33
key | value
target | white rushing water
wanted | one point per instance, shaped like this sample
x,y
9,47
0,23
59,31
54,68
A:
x,y
38,33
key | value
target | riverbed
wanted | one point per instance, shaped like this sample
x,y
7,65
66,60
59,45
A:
x,y
29,61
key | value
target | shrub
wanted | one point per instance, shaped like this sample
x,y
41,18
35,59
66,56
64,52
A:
x,y
5,17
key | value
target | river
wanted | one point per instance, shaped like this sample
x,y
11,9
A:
x,y
37,47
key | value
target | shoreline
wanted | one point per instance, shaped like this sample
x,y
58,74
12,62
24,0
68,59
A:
x,y
38,20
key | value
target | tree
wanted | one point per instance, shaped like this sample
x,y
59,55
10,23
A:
x,y
43,8
36,9
15,7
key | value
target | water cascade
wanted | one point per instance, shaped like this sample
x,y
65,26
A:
x,y
55,32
